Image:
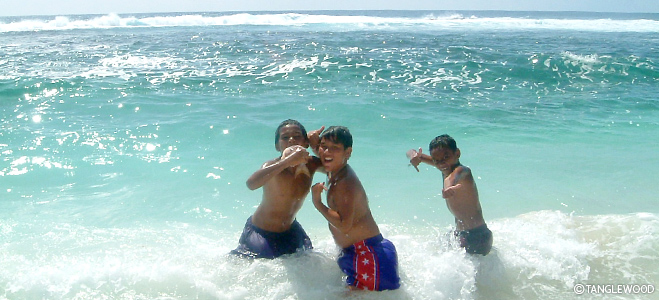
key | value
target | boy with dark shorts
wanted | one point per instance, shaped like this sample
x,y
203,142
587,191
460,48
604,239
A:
x,y
369,260
272,230
459,191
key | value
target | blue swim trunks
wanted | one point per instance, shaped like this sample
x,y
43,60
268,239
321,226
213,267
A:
x,y
371,264
258,243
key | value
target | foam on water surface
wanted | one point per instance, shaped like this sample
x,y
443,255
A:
x,y
539,255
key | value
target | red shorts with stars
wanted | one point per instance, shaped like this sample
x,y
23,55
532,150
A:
x,y
371,264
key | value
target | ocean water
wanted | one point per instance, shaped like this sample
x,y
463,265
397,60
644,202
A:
x,y
126,141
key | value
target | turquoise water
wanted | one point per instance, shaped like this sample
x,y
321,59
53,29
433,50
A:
x,y
126,141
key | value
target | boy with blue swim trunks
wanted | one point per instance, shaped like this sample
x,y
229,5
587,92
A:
x,y
369,260
272,230
459,191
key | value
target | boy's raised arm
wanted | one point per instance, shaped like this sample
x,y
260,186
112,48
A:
x,y
262,175
462,175
343,218
314,139
417,157
275,166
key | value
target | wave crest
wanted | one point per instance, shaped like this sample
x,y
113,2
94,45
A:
x,y
430,21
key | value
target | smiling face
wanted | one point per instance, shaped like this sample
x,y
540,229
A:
x,y
291,135
333,155
445,159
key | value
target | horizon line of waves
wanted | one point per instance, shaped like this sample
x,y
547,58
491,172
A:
x,y
448,21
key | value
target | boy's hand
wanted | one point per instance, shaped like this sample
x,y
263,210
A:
x,y
295,155
415,157
449,192
316,190
314,138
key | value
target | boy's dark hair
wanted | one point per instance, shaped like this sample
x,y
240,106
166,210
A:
x,y
339,135
443,141
290,122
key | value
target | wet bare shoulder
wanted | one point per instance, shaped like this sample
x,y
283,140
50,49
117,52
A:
x,y
315,164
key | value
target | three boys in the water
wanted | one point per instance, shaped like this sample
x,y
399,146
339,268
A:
x,y
369,260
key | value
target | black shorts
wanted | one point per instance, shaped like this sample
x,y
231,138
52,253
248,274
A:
x,y
477,240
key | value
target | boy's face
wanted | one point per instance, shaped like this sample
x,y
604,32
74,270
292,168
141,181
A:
x,y
291,135
444,158
333,155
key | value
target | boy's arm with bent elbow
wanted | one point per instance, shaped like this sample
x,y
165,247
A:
x,y
344,199
265,173
314,139
456,182
417,157
273,167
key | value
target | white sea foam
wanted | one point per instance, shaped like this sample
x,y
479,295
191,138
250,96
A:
x,y
538,255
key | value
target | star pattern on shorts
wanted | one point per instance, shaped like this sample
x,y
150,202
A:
x,y
365,262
